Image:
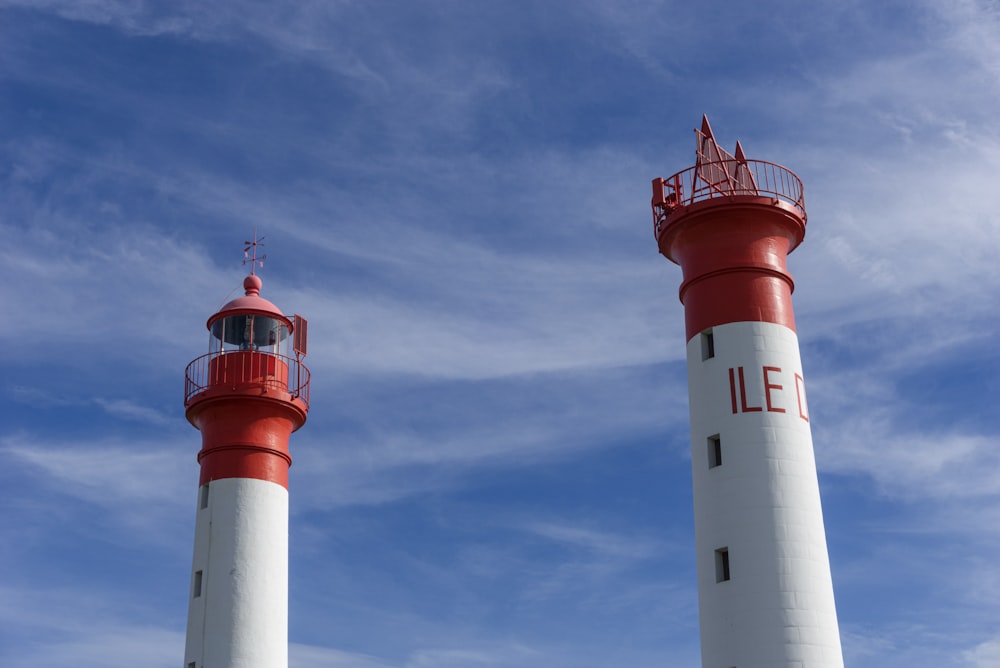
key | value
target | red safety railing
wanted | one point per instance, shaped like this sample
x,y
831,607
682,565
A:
x,y
246,369
725,178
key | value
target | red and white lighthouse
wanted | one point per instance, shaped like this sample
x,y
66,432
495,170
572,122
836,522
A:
x,y
246,395
765,592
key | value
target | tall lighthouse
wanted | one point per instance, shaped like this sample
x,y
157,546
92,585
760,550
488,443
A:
x,y
765,594
246,395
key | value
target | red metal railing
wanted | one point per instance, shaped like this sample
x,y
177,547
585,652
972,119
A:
x,y
725,178
246,369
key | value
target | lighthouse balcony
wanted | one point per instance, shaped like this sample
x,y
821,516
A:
x,y
246,371
727,178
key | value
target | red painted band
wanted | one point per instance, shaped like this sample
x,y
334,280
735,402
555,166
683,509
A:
x,y
245,436
733,255
244,461
746,269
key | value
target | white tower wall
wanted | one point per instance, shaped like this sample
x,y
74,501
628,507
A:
x,y
758,505
238,611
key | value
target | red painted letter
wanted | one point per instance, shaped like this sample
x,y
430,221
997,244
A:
x,y
768,386
799,387
743,396
732,388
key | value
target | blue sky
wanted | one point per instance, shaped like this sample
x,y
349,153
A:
x,y
495,471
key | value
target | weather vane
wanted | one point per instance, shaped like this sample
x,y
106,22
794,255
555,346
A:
x,y
250,252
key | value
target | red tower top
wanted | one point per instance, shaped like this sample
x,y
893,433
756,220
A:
x,y
251,302
730,223
250,391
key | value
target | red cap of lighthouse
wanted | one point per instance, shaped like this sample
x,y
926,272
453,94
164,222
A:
x,y
250,391
730,222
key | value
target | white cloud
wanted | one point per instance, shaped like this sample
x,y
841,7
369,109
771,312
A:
x,y
860,644
507,426
444,658
911,464
613,546
470,310
124,409
131,410
69,627
135,310
106,473
145,491
302,655
116,645
902,645
984,655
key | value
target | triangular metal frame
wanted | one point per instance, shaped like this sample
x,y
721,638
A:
x,y
717,168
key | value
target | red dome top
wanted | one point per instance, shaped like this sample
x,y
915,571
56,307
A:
x,y
250,303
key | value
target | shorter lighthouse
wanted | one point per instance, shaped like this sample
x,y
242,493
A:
x,y
246,396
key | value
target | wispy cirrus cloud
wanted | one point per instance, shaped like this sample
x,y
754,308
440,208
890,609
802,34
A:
x,y
915,464
103,472
67,626
984,654
458,201
302,655
120,408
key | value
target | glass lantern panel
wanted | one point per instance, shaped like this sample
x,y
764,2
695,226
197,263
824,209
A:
x,y
249,332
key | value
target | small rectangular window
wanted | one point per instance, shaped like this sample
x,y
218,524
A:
x,y
722,564
197,584
714,451
707,345
203,496
192,665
